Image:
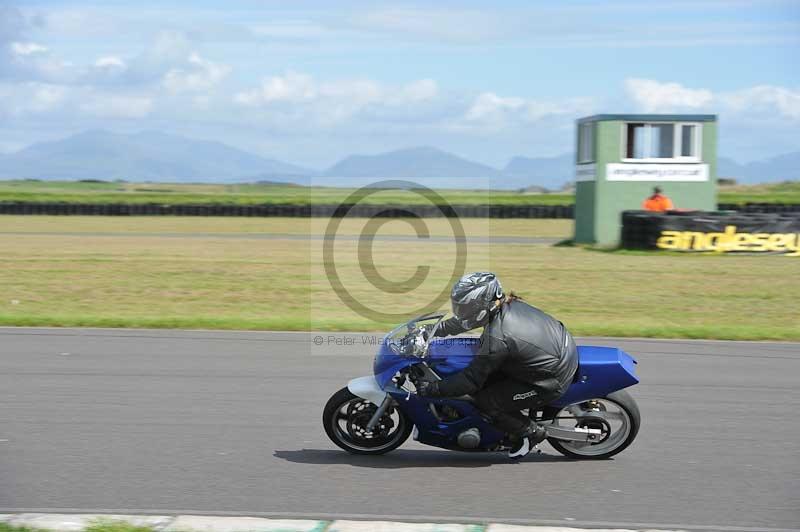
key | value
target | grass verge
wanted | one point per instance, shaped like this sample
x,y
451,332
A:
x,y
4,527
66,275
242,226
101,525
786,192
249,194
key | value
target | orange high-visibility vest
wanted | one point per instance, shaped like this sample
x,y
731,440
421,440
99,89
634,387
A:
x,y
658,203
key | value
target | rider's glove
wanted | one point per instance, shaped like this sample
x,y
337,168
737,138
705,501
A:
x,y
428,388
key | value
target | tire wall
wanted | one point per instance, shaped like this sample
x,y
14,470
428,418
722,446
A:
x,y
722,232
301,211
326,211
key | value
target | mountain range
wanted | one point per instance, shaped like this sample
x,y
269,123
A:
x,y
423,165
157,156
784,167
145,156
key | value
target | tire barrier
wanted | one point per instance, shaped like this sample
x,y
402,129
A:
x,y
296,211
760,207
720,231
326,211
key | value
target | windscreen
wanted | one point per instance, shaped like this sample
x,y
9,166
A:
x,y
406,339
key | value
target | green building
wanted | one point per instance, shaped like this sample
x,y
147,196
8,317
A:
x,y
621,158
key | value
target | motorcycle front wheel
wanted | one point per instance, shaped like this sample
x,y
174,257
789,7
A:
x,y
616,416
345,419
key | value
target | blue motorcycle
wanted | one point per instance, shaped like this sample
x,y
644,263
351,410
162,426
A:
x,y
595,419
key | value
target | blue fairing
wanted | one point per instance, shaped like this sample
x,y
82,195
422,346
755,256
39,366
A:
x,y
451,355
445,355
387,364
602,370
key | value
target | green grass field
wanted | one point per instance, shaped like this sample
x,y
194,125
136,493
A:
x,y
787,192
157,225
190,273
81,192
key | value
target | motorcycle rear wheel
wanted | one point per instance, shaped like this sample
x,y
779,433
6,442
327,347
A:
x,y
345,418
620,426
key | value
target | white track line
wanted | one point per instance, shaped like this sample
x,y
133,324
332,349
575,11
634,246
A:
x,y
13,515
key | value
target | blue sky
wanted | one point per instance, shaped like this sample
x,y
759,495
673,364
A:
x,y
311,82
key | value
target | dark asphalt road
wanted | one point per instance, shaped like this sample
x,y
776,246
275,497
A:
x,y
230,422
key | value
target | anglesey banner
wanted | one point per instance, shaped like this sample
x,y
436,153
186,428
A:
x,y
712,232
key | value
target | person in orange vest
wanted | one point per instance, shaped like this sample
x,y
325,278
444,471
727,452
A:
x,y
658,202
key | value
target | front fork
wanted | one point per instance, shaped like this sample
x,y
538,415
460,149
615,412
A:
x,y
382,408
368,388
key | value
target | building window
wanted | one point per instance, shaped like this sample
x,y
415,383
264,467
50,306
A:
x,y
586,142
661,141
688,140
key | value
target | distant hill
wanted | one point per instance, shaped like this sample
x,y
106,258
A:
x,y
435,166
157,156
784,167
549,172
145,156
554,172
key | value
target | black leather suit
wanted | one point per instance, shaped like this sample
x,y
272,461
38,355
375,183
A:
x,y
526,359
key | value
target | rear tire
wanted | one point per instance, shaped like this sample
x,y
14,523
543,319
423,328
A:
x,y
626,403
345,408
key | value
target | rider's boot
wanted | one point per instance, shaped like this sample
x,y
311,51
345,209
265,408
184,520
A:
x,y
532,436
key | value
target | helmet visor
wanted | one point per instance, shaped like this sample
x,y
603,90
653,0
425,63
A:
x,y
468,316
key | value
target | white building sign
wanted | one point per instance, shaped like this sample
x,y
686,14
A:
x,y
585,172
656,172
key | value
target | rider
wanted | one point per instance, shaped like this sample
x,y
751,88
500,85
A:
x,y
526,359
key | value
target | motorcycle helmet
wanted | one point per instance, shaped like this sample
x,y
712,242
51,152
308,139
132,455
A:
x,y
474,298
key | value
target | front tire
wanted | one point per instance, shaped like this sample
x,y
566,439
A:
x,y
345,418
616,414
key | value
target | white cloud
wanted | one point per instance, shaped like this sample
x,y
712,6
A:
x,y
653,96
172,45
117,106
491,107
489,112
764,99
419,91
197,75
289,29
45,97
460,26
589,25
32,62
27,48
659,97
110,61
70,103
296,100
18,99
292,87
335,100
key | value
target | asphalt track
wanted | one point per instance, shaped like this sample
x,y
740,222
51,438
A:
x,y
229,423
